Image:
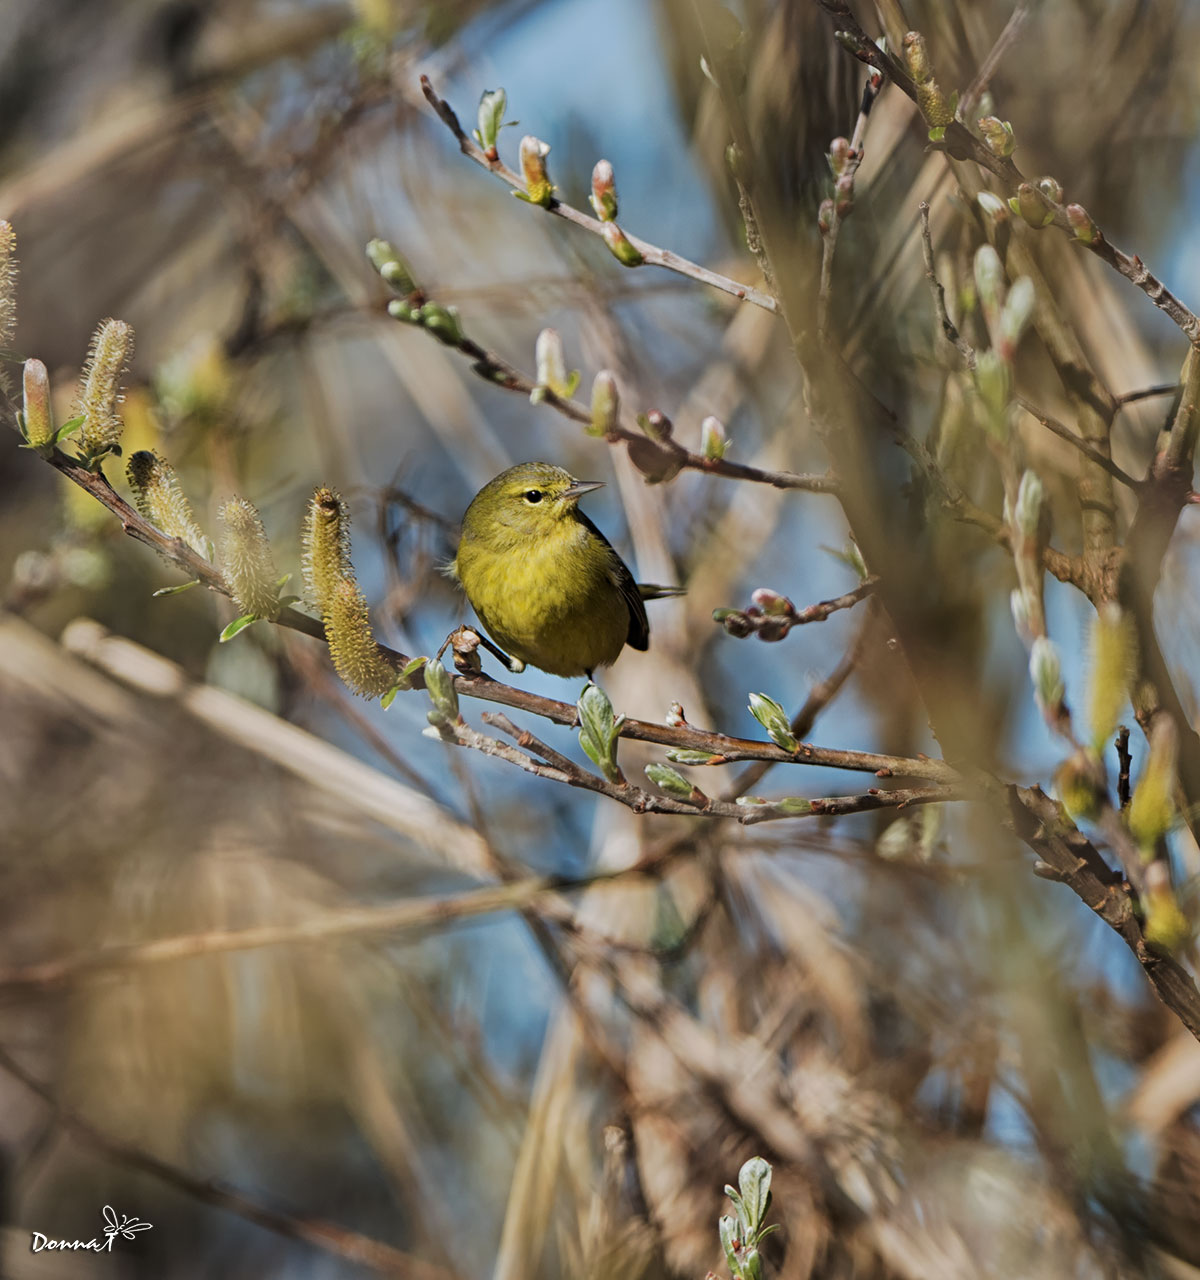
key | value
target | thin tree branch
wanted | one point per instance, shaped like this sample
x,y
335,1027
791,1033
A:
x,y
489,690
949,328
961,144
1072,860
1089,451
651,253
660,459
843,198
319,1233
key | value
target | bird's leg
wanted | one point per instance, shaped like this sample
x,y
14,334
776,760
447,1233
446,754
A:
x,y
465,641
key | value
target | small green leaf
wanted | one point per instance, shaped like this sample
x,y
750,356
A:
x,y
774,720
238,625
283,580
937,133
442,693
284,601
754,1182
492,106
68,428
728,1229
571,385
684,755
415,665
390,697
174,591
674,783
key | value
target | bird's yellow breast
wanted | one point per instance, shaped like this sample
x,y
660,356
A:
x,y
549,600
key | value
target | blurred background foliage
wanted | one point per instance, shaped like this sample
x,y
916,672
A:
x,y
954,1069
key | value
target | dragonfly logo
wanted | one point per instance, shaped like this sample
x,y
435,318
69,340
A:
x,y
114,1226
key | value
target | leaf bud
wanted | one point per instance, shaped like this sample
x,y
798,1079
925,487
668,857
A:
x,y
1030,204
1015,316
1029,504
840,155
774,720
669,780
552,375
386,259
843,196
1082,225
998,135
606,404
621,247
439,683
825,217
989,284
993,207
713,441
1046,672
538,187
604,192
1051,188
492,105
772,603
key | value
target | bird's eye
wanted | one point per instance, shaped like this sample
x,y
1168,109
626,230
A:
x,y
533,495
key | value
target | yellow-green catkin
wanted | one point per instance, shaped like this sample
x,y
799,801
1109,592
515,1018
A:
x,y
159,497
326,538
1152,809
100,393
1112,655
39,418
357,658
246,560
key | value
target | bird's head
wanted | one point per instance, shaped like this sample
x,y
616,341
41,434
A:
x,y
528,497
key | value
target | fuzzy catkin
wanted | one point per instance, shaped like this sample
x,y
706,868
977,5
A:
x,y
100,392
357,658
247,561
326,538
159,497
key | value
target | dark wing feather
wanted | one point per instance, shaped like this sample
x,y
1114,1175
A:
x,y
639,624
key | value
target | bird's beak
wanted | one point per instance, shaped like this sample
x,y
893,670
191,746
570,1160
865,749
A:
x,y
580,487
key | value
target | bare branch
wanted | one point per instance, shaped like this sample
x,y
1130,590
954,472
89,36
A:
x,y
320,1233
653,255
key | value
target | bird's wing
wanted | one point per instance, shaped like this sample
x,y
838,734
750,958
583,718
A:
x,y
639,624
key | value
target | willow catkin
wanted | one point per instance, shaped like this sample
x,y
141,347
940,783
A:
x,y
100,392
247,561
357,657
159,497
326,539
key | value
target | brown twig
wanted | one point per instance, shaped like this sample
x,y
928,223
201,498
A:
x,y
561,769
321,1234
659,459
488,690
1089,451
949,328
961,144
652,254
1072,860
842,202
1124,762
776,624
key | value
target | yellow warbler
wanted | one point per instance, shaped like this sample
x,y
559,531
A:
x,y
545,582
